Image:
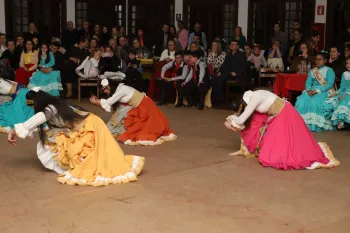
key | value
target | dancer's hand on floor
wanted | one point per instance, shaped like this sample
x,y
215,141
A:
x,y
11,138
94,100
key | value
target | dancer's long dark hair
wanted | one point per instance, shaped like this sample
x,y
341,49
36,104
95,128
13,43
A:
x,y
239,107
48,58
43,102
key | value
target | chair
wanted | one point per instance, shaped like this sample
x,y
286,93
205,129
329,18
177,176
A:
x,y
267,72
88,82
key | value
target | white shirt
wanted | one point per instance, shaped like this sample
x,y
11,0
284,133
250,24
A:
x,y
184,74
26,129
165,55
259,101
122,94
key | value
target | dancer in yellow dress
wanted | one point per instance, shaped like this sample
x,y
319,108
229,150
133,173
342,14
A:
x,y
76,144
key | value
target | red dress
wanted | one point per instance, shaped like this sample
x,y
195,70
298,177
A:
x,y
22,76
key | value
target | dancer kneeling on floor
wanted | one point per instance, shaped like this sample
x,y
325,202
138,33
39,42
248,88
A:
x,y
78,145
286,142
179,73
144,123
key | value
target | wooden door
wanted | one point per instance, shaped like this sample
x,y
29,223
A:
x,y
106,12
217,18
338,18
150,15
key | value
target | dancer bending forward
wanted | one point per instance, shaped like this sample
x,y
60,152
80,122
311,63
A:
x,y
286,142
78,145
144,123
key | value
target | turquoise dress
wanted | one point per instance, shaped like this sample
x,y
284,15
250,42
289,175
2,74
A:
x,y
51,82
317,110
15,111
342,108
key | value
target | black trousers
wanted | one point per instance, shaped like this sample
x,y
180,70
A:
x,y
197,90
218,85
68,74
167,88
134,79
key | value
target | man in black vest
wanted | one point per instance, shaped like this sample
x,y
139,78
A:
x,y
179,72
199,80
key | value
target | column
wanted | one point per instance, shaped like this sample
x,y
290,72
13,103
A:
x,y
2,17
320,18
71,11
243,16
178,9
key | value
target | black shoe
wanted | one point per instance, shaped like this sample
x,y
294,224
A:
x,y
179,105
160,103
200,106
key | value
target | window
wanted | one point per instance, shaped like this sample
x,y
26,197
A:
x,y
119,14
133,19
229,23
80,13
21,18
189,17
293,11
171,15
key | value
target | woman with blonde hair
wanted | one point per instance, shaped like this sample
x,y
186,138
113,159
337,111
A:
x,y
216,57
90,65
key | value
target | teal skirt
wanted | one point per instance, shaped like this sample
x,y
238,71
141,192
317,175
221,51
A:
x,y
50,83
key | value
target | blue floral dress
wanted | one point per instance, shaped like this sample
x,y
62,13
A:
x,y
51,82
341,113
317,110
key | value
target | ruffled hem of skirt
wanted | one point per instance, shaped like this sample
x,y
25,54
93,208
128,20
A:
x,y
342,114
136,168
333,162
161,140
316,122
47,88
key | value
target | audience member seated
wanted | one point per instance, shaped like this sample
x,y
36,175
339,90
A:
x,y
173,33
141,51
304,57
122,49
336,62
49,82
32,33
314,42
3,46
89,67
19,45
173,74
275,56
294,48
94,44
233,68
200,34
105,36
69,36
239,37
312,103
134,72
169,53
257,58
28,63
59,59
114,34
280,36
145,41
110,66
216,57
195,46
162,40
198,82
85,31
97,32
11,55
76,56
182,34
247,50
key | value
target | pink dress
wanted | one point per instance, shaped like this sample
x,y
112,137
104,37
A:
x,y
287,142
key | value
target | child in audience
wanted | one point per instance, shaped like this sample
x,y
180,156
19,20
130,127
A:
x,y
134,71
89,67
341,114
257,58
